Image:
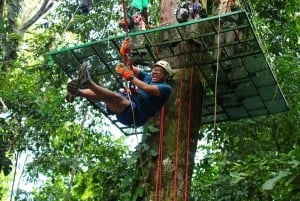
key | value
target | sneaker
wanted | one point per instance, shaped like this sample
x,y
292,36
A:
x,y
72,89
83,75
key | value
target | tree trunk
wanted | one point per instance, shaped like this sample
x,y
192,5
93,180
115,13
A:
x,y
180,126
181,136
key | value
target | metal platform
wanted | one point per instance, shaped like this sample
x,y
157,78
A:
x,y
246,84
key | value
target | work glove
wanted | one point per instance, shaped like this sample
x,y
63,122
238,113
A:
x,y
125,46
124,71
128,75
121,68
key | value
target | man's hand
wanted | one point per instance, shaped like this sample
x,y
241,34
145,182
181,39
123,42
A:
x,y
128,75
121,68
125,46
124,71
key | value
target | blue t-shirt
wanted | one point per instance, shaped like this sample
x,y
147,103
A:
x,y
151,104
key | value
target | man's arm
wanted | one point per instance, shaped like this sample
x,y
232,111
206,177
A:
x,y
136,71
148,88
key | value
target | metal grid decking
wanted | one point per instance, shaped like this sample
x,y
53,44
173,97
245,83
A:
x,y
246,84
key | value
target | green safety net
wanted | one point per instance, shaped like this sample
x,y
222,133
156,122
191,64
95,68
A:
x,y
246,84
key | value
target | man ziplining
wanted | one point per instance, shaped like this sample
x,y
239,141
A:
x,y
151,94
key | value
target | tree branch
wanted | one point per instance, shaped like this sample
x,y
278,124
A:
x,y
44,8
4,108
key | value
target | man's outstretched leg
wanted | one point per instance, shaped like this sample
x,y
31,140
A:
x,y
114,101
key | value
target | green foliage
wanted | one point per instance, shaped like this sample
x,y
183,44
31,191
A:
x,y
40,121
272,18
14,36
5,164
99,23
258,159
251,178
254,159
95,172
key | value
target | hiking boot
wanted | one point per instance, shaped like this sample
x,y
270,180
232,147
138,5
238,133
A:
x,y
72,89
83,75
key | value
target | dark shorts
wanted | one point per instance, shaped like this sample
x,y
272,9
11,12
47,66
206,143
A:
x,y
133,115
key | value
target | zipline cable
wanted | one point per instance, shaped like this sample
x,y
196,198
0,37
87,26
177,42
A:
x,y
216,77
228,4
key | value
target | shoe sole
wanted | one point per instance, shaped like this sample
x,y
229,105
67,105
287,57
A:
x,y
70,97
81,73
73,87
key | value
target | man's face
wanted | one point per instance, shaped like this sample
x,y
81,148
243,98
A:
x,y
158,74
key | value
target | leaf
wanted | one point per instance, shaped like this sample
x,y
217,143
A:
x,y
15,36
294,163
236,177
154,152
269,184
139,191
153,129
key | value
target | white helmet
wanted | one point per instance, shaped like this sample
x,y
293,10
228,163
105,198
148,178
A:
x,y
165,65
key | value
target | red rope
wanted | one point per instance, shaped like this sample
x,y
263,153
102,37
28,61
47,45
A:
x,y
228,5
126,58
177,136
159,160
125,17
188,138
